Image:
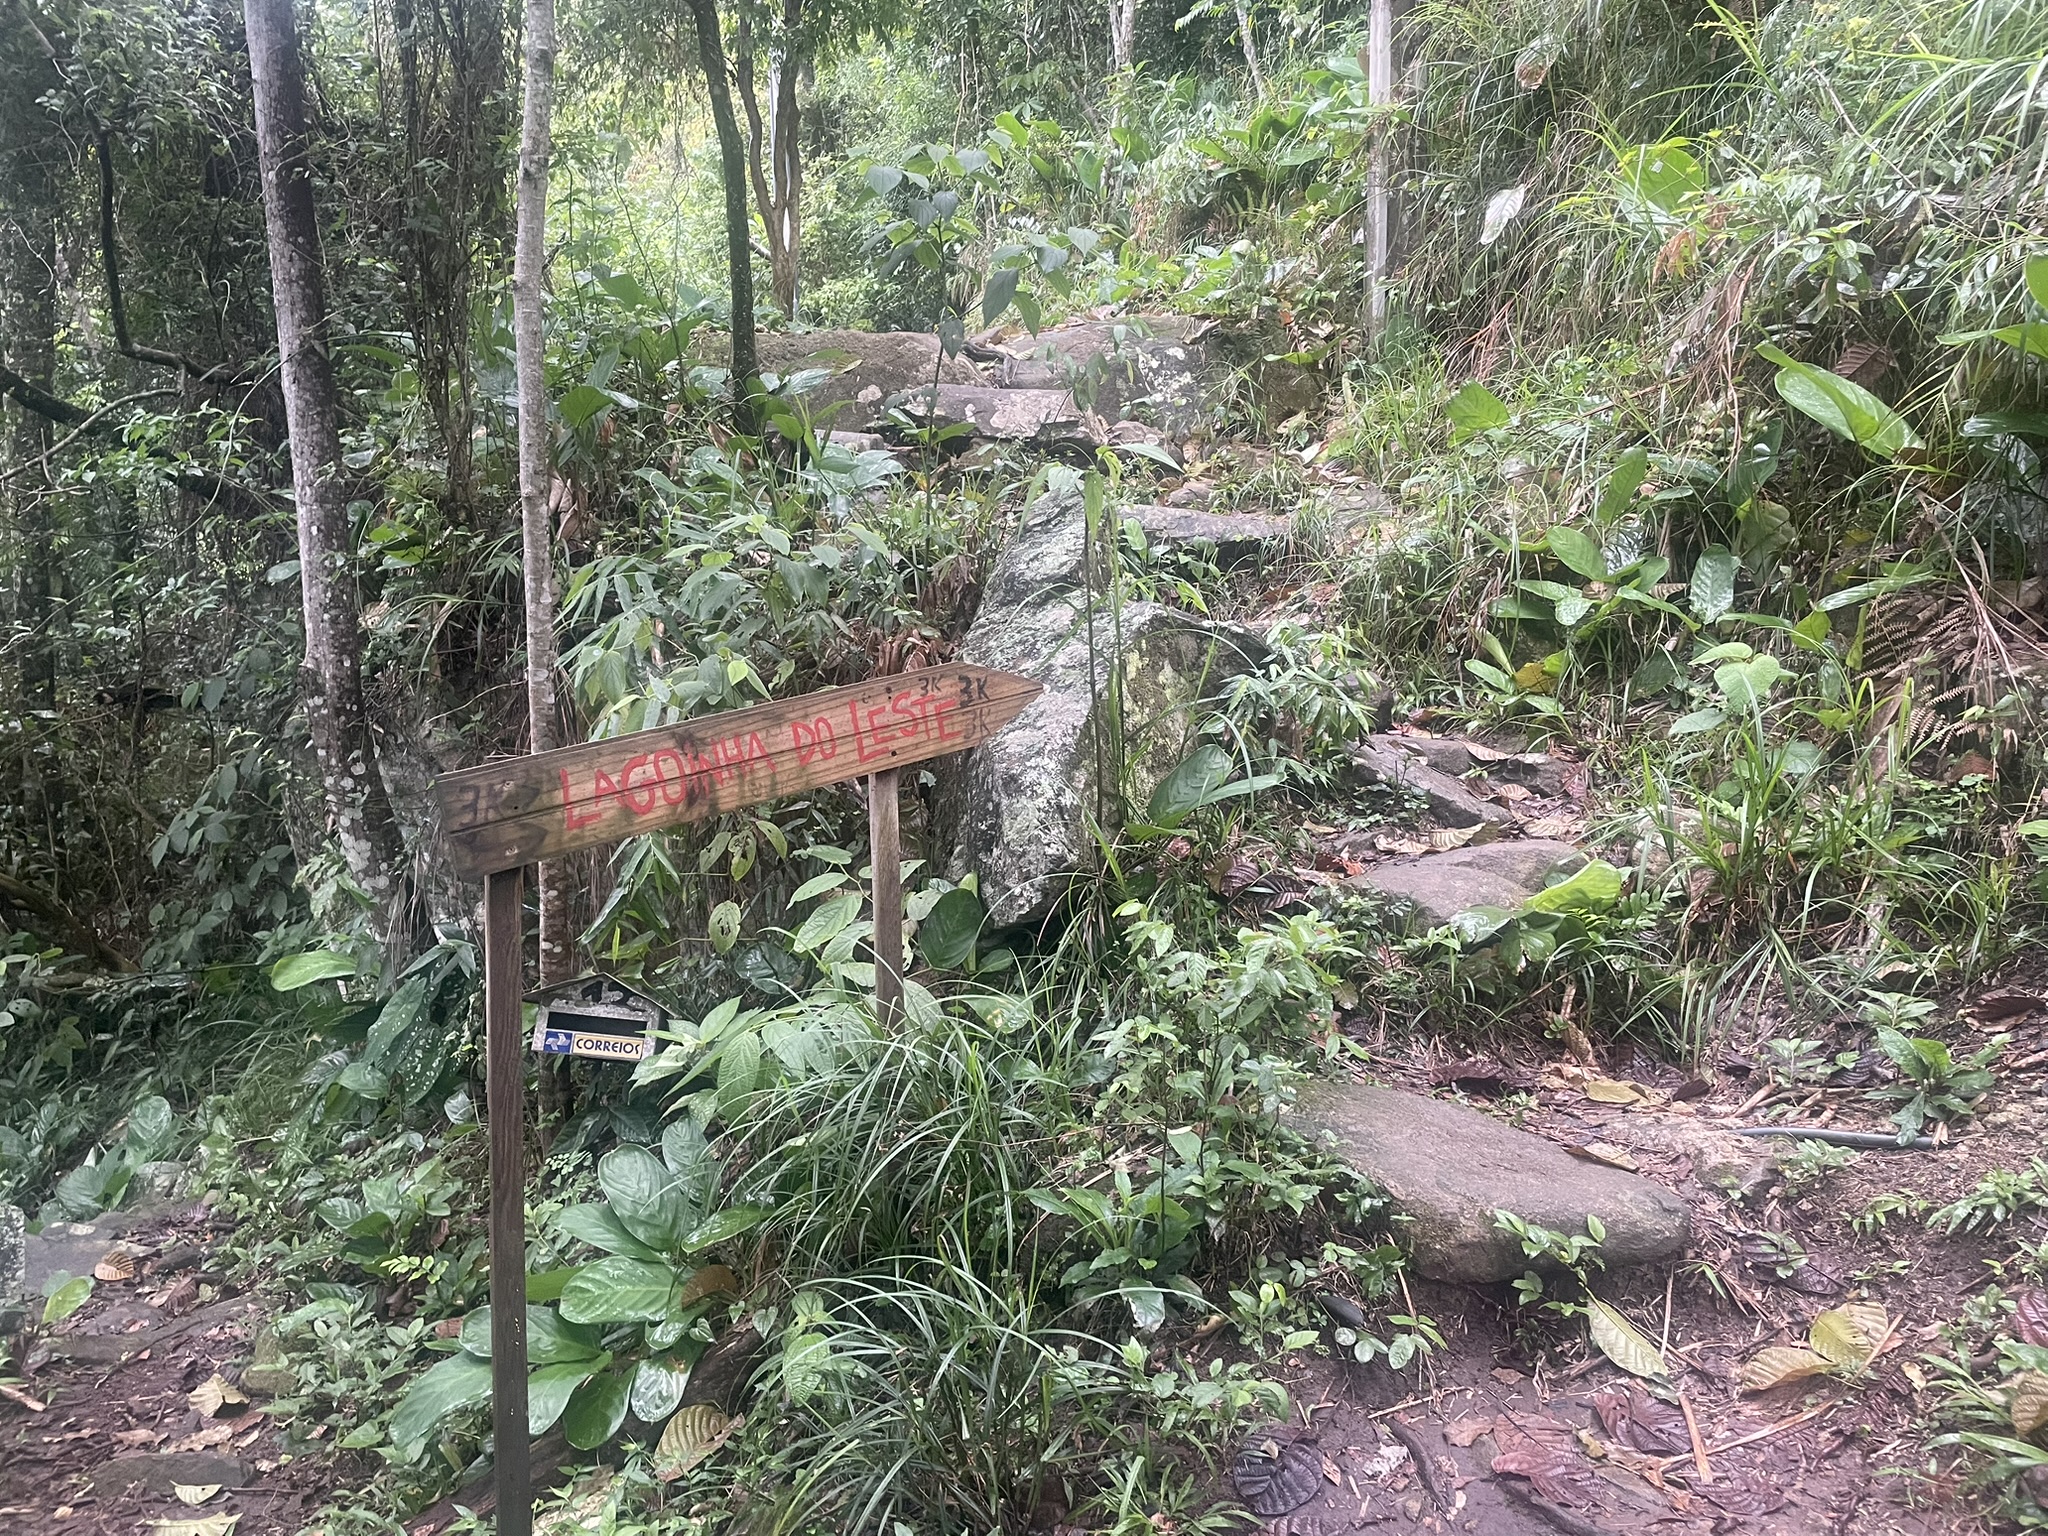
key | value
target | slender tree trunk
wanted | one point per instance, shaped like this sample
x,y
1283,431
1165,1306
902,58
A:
x,y
536,447
331,679
739,256
1380,93
30,315
778,186
1123,33
1251,48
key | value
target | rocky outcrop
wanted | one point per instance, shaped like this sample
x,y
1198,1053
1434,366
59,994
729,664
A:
x,y
1150,368
1230,539
1438,886
1449,1168
1022,807
867,368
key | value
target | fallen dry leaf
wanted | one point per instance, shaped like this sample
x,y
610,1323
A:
x,y
194,1493
1635,1419
2028,1403
115,1267
1462,1432
2030,1316
1779,1364
1604,1152
2005,1003
1611,1090
214,1394
142,1436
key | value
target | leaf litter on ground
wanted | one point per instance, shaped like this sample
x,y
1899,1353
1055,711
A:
x,y
1842,1342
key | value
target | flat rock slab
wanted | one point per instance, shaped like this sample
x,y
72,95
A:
x,y
1537,772
1237,538
1450,802
1012,415
1449,1168
1438,886
159,1471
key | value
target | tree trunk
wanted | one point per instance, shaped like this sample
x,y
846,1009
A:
x,y
1123,32
331,679
778,188
739,256
1380,93
1251,48
536,447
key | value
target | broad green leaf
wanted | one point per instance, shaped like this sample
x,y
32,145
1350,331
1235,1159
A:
x,y
599,1226
1475,925
1192,785
65,1297
689,1158
1845,408
549,1340
739,1072
549,1389
806,1364
1657,179
1593,889
883,179
2036,271
724,926
296,971
2029,339
150,1131
619,1290
597,1410
1746,684
403,1009
643,1194
723,1226
461,1381
1475,409
827,921
582,404
1713,584
1623,481
657,1389
1620,1341
546,1285
1657,673
1000,290
817,885
1579,552
1572,609
949,932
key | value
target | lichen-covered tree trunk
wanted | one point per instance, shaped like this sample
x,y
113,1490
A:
x,y
536,455
331,690
1123,32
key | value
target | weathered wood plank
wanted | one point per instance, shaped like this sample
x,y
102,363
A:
x,y
505,1102
517,810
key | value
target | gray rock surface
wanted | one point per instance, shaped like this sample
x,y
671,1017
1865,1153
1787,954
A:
x,y
158,1471
1438,886
13,1253
1721,1161
1148,368
73,1247
1018,809
1449,1168
1537,772
1237,538
1449,800
1010,415
868,367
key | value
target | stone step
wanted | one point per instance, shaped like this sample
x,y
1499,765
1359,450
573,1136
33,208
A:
x,y
1449,1168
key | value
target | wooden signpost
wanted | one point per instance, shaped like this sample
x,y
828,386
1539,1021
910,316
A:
x,y
504,815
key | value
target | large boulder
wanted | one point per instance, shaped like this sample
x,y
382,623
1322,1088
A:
x,y
1449,1168
868,368
1021,807
1149,367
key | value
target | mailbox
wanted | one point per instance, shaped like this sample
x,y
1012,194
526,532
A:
x,y
597,1016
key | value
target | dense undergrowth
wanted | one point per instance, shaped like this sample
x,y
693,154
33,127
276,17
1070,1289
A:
x,y
1710,411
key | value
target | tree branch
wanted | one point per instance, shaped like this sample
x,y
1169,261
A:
x,y
75,934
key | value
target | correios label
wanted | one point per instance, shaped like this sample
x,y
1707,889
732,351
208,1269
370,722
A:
x,y
566,1042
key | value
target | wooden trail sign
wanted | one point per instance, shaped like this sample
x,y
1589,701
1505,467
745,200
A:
x,y
504,815
517,810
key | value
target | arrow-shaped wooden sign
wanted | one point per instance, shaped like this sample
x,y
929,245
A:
x,y
518,810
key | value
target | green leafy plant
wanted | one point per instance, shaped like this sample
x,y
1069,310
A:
x,y
2000,1195
1932,1084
